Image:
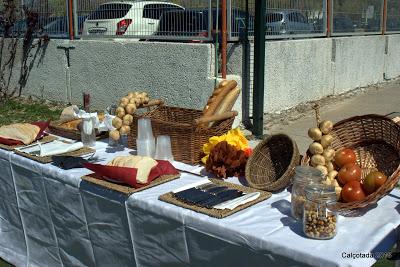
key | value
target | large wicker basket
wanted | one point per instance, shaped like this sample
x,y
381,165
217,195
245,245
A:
x,y
271,166
376,142
182,125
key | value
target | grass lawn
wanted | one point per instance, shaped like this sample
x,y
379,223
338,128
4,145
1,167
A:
x,y
4,264
21,110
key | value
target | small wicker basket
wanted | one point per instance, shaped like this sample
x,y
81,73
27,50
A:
x,y
56,128
376,142
271,166
182,125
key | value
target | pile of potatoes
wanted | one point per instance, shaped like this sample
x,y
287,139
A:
x,y
124,113
323,155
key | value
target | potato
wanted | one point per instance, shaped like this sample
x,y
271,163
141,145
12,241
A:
x,y
326,127
124,101
316,148
315,134
114,134
125,130
326,140
127,120
117,122
130,109
317,160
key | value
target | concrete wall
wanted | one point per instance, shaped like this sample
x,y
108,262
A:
x,y
392,66
179,73
298,71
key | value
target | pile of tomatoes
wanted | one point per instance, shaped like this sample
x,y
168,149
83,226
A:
x,y
349,177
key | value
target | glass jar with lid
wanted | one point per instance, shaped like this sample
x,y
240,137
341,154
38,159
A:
x,y
304,175
319,220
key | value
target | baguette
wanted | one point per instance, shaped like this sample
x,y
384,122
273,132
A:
x,y
227,103
216,99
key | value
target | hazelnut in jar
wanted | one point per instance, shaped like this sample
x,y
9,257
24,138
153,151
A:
x,y
319,220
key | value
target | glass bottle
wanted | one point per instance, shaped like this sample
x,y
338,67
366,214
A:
x,y
319,220
304,175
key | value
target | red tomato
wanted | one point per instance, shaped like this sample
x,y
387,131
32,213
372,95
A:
x,y
349,172
373,181
345,156
352,191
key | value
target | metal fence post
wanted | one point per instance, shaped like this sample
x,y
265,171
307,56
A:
x,y
75,16
384,17
329,17
70,19
259,67
224,39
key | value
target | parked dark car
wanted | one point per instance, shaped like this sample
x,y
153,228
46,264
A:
x,y
59,26
194,23
287,22
342,23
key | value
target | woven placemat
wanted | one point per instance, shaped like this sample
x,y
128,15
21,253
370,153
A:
x,y
219,214
45,139
76,153
126,189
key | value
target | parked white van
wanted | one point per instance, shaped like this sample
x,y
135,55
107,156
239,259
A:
x,y
131,18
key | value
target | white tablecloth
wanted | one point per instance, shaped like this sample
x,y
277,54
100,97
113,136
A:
x,y
49,217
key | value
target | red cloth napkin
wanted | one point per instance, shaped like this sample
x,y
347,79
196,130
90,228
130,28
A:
x,y
41,124
128,175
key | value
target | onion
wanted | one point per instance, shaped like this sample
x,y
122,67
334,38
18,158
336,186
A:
x,y
130,109
315,134
329,154
326,127
117,122
124,101
127,120
125,129
332,174
323,169
329,166
316,148
326,140
317,160
114,134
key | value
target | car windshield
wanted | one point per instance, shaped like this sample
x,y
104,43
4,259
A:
x,y
110,11
274,17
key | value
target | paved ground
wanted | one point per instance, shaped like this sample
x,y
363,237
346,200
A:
x,y
378,99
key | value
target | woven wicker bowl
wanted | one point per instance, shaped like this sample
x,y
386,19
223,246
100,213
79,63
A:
x,y
271,166
376,142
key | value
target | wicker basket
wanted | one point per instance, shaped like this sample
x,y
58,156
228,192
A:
x,y
182,125
56,129
271,166
376,142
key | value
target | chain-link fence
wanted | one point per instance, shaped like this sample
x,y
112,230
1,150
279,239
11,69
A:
x,y
357,17
197,20
393,16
